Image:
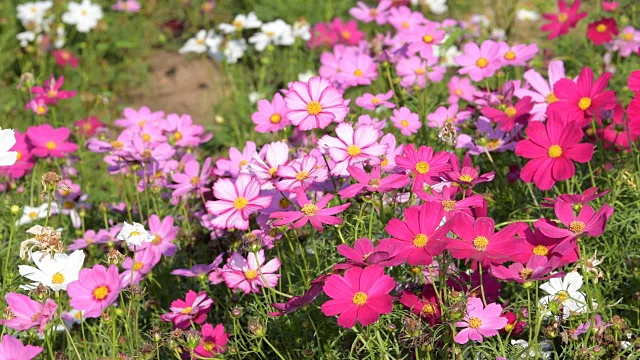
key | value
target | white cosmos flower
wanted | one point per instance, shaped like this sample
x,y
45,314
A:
x,y
437,6
527,15
276,32
254,96
305,76
241,22
25,38
566,292
302,29
202,42
235,50
29,214
32,13
7,140
134,234
53,272
84,15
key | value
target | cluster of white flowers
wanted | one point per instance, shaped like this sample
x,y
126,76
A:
x,y
83,15
228,46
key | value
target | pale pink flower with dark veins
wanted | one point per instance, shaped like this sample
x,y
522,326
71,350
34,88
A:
x,y
314,104
352,147
250,274
236,202
264,165
301,173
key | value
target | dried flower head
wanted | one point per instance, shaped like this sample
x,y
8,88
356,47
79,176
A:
x,y
115,257
45,239
49,183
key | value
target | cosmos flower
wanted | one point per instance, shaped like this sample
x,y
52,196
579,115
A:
x,y
250,273
194,308
314,104
54,272
480,321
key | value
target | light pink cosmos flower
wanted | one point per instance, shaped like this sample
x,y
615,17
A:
x,y
163,232
138,118
316,214
542,90
213,341
388,162
415,71
423,38
444,115
129,6
368,14
193,308
461,88
480,321
192,179
352,147
12,349
50,142
407,121
479,62
370,102
265,170
236,202
314,104
51,92
183,132
38,106
95,290
301,173
368,120
271,116
628,42
373,182
25,313
237,160
250,274
405,20
356,69
137,267
517,55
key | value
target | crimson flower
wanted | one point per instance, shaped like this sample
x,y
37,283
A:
x,y
602,31
566,18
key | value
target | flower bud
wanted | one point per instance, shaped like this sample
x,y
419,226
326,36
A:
x,y
15,209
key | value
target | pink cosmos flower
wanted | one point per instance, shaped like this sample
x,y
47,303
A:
x,y
364,254
213,341
50,142
467,176
587,222
271,116
488,139
422,38
511,115
424,165
65,57
237,160
139,118
298,302
517,55
316,213
480,321
585,197
426,306
275,154
628,42
413,71
479,62
352,147
38,106
163,232
461,88
405,20
552,147
444,115
322,35
537,268
602,31
421,236
356,69
301,173
566,18
12,349
314,104
388,162
25,313
367,14
199,269
371,102
372,182
95,290
183,132
249,274
368,120
236,202
24,162
88,127
51,92
129,6
348,32
192,180
581,100
542,90
406,121
361,295
447,200
193,308
610,6
477,240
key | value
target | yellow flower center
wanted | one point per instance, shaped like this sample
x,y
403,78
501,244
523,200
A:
x,y
540,250
480,243
493,144
475,323
353,150
240,203
562,17
314,108
33,215
187,310
458,92
584,103
242,163
375,100
525,273
465,178
177,135
510,111
156,239
428,309
555,151
482,62
195,181
302,175
50,145
209,345
275,118
345,34
360,298
551,98
137,266
237,24
404,123
374,183
601,28
117,145
273,171
405,25
134,233
422,167
510,55
309,209
428,39
384,162
448,205
284,203
57,278
100,292
146,137
358,72
68,205
627,36
576,226
420,240
562,296
250,274
420,71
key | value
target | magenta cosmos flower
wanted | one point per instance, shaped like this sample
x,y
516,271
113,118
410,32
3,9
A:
x,y
50,142
552,147
424,165
541,91
236,202
480,321
364,254
25,313
588,221
511,115
65,57
95,290
250,274
12,349
271,116
352,147
537,268
479,61
193,308
420,236
372,182
213,341
314,104
361,295
581,100
426,306
51,92
566,18
316,213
